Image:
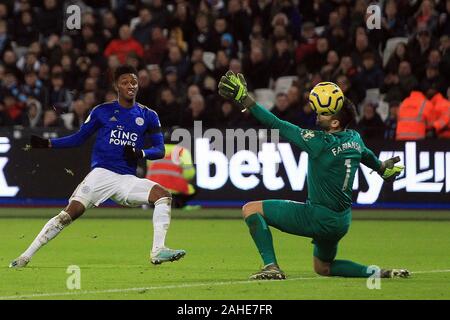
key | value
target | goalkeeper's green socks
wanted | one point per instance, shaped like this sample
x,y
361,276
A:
x,y
349,269
262,237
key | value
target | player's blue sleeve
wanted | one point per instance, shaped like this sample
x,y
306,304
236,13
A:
x,y
89,127
157,150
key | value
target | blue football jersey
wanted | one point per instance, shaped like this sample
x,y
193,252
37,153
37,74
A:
x,y
116,127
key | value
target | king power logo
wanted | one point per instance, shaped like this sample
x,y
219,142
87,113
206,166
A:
x,y
247,170
5,190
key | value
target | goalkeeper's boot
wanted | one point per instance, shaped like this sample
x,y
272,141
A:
x,y
394,273
19,262
270,272
166,254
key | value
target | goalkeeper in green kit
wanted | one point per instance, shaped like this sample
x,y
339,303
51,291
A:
x,y
334,156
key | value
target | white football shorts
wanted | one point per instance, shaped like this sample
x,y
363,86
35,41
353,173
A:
x,y
102,184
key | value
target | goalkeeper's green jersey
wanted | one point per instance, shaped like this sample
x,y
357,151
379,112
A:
x,y
333,159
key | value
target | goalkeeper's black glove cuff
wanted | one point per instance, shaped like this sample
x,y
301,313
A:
x,y
248,102
37,142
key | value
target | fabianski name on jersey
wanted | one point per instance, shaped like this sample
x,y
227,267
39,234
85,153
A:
x,y
345,146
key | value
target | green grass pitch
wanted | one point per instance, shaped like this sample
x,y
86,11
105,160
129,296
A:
x,y
111,248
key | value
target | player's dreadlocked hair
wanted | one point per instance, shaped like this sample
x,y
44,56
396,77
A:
x,y
347,115
124,69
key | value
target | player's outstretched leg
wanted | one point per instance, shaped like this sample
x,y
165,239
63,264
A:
x,y
260,232
161,221
51,229
350,269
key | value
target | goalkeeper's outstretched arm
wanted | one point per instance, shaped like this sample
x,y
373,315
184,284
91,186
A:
x,y
234,87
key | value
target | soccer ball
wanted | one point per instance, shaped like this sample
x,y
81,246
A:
x,y
326,98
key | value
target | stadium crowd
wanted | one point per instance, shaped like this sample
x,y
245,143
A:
x,y
51,76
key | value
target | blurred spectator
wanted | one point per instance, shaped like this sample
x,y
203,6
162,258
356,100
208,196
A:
x,y
5,41
9,61
156,84
110,28
419,48
4,118
392,23
124,45
202,34
14,110
331,66
51,119
307,44
426,15
391,121
219,29
227,115
50,18
256,69
169,110
196,111
371,75
314,62
282,61
11,86
80,112
28,62
397,86
433,81
351,92
142,30
236,66
59,97
155,49
441,115
144,93
239,22
199,73
443,26
283,110
34,114
173,82
177,59
400,54
370,125
221,65
415,116
33,87
363,47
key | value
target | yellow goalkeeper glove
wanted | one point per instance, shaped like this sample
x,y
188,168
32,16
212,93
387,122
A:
x,y
389,171
234,87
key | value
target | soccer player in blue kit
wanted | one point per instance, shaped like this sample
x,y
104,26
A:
x,y
121,126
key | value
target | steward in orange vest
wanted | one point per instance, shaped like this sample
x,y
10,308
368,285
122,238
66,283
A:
x,y
415,116
174,172
441,116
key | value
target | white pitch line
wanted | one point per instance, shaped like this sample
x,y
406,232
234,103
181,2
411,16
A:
x,y
431,271
187,285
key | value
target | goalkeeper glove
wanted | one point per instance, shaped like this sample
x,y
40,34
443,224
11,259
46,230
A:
x,y
39,143
131,153
234,87
389,171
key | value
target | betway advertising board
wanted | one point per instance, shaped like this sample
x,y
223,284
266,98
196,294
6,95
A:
x,y
272,170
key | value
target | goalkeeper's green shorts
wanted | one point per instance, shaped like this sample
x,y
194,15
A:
x,y
325,226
